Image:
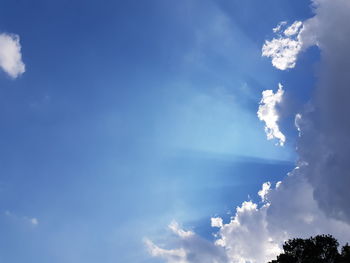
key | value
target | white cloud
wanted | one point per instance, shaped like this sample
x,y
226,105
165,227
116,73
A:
x,y
170,255
216,222
10,55
190,248
279,26
293,29
268,113
264,191
246,237
174,226
284,50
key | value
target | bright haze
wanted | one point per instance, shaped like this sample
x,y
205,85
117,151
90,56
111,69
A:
x,y
191,131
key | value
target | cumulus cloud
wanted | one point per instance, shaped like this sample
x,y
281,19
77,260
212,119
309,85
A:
x,y
314,198
10,55
268,113
246,237
284,49
255,234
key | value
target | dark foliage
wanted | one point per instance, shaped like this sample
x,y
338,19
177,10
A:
x,y
318,249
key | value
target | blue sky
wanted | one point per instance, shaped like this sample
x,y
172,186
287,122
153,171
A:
x,y
131,114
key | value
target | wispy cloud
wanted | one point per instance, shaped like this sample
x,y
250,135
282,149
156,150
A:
x,y
25,219
191,248
170,255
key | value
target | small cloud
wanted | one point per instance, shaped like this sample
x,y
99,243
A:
x,y
293,29
297,122
267,112
24,219
284,50
216,222
170,255
279,26
10,55
34,221
266,187
278,184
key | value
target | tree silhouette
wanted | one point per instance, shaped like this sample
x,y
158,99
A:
x,y
345,254
318,249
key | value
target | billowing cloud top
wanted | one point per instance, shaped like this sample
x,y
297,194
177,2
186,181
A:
x,y
10,55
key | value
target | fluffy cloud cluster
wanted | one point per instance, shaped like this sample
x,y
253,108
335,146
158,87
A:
x,y
284,49
255,234
268,113
236,235
10,55
314,198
